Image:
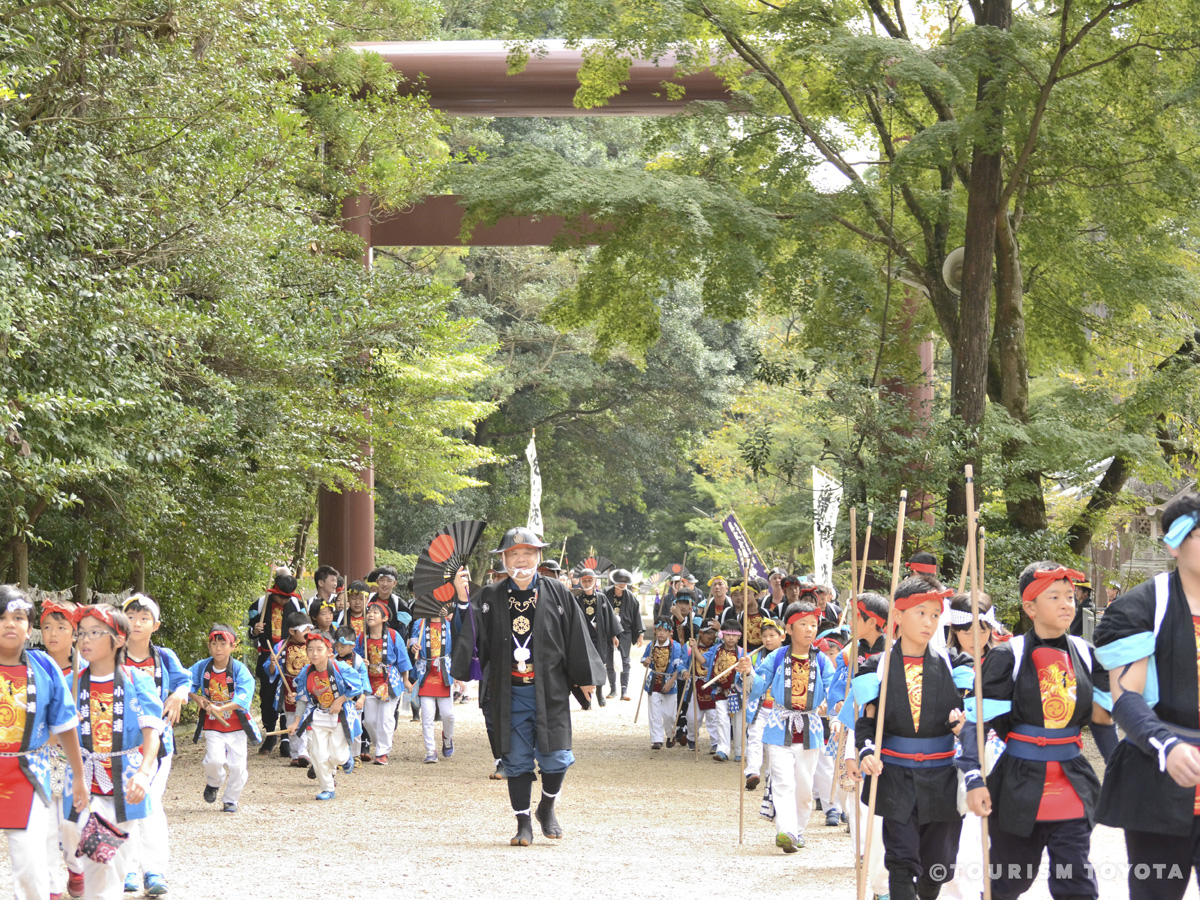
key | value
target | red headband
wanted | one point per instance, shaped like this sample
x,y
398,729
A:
x,y
802,614
923,568
50,607
912,600
317,636
808,589
1042,580
879,620
105,614
383,608
223,632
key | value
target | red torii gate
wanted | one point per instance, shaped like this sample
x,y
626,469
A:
x,y
470,78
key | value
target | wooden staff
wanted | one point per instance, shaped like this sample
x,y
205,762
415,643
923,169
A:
x,y
854,798
745,628
862,578
646,680
718,677
980,728
982,549
696,695
881,703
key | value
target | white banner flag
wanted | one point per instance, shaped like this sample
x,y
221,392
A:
x,y
535,489
827,500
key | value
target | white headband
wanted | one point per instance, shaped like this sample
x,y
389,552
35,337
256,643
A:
x,y
959,617
19,604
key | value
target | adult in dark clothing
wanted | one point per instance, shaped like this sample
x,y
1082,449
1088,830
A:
x,y
533,646
603,627
1083,600
266,629
629,614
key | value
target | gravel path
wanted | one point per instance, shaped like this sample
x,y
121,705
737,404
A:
x,y
639,823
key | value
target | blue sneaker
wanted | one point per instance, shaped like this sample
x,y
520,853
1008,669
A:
x,y
325,795
721,756
348,765
156,885
447,748
131,883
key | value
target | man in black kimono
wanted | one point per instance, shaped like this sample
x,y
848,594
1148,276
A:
x,y
602,626
533,646
629,615
1149,640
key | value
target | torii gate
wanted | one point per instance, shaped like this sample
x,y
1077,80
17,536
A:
x,y
470,78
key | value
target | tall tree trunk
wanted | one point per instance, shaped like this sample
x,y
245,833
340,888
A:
x,y
1023,495
968,396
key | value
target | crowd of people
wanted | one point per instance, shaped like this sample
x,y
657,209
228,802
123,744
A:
x,y
849,711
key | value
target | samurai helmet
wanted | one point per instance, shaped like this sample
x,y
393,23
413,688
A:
x,y
550,565
519,537
621,576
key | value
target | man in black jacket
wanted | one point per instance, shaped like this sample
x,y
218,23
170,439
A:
x,y
603,628
267,615
533,646
629,614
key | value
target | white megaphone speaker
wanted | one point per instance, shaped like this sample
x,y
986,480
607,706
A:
x,y
952,270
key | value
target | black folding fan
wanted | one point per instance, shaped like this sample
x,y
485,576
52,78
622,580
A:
x,y
433,576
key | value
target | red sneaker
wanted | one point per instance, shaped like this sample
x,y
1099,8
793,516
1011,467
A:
x,y
381,760
75,884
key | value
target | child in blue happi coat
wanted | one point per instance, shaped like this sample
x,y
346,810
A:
x,y
328,690
665,659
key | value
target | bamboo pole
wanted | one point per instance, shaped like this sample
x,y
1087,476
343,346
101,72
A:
x,y
881,704
862,577
982,551
980,729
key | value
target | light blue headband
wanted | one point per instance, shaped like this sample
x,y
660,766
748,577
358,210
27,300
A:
x,y
1180,529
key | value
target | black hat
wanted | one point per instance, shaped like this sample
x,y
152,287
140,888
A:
x,y
498,566
586,573
550,565
520,537
621,576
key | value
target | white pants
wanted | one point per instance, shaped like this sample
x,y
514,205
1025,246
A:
x,y
877,876
226,750
792,770
148,847
62,837
328,748
429,709
823,783
754,745
735,726
107,881
662,716
27,853
716,720
968,874
298,742
380,718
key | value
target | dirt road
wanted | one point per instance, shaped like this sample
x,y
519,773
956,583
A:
x,y
639,823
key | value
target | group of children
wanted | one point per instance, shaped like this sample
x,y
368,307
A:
x,y
87,726
813,704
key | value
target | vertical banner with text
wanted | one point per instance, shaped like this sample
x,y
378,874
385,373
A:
x,y
535,488
827,500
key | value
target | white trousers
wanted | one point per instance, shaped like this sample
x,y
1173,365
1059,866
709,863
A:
x,y
226,751
27,853
149,851
734,726
327,747
968,874
107,881
429,709
716,720
823,783
792,770
380,718
298,742
877,876
754,745
661,716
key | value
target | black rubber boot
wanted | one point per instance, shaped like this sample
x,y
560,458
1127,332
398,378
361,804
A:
x,y
547,819
268,745
524,835
902,885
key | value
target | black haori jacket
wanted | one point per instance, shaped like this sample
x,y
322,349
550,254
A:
x,y
563,656
931,792
1016,785
607,625
630,615
1136,793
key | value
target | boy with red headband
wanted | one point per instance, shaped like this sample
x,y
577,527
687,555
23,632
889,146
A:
x,y
387,671
725,695
917,795
1149,641
1038,693
57,625
35,706
328,690
120,723
222,687
797,676
150,850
